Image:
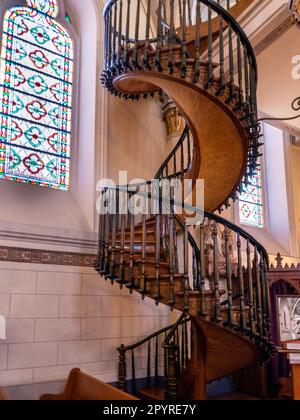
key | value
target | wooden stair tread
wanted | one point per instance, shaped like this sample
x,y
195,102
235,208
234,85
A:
x,y
165,277
159,394
236,396
197,293
235,11
136,251
163,264
191,62
136,242
155,394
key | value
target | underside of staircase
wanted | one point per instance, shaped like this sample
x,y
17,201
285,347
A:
x,y
211,271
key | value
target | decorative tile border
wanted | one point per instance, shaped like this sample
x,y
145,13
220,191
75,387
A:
x,y
38,256
274,35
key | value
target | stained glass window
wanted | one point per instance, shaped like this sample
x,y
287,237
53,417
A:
x,y
36,96
251,202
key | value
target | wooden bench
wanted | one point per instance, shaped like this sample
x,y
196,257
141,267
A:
x,y
3,395
82,387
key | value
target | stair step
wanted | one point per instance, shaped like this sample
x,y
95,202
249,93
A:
x,y
237,396
197,293
150,263
191,62
136,242
166,277
153,394
136,232
150,251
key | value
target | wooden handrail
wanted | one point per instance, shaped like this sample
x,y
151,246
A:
x,y
150,337
181,320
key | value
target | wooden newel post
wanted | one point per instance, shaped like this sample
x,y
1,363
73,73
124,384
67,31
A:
x,y
296,382
122,367
172,373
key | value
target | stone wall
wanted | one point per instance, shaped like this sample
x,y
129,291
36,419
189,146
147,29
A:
x,y
61,317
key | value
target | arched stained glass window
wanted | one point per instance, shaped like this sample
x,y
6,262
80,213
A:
x,y
251,208
36,96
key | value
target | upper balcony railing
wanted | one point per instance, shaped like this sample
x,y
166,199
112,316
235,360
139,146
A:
x,y
203,40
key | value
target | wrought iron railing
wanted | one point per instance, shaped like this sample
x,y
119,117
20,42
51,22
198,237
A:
x,y
141,253
213,269
202,39
179,161
167,355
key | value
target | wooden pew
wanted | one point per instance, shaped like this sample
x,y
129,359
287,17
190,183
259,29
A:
x,y
3,395
82,387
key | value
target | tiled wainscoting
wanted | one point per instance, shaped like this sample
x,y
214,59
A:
x,y
61,317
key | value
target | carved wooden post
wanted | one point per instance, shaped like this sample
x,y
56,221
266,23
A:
x,y
172,373
122,367
198,360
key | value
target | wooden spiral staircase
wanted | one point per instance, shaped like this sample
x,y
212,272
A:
x,y
214,273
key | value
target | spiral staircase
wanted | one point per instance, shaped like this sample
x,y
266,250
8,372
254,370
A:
x,y
213,272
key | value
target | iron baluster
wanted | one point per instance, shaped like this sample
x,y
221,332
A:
x,y
202,312
229,279
137,29
157,296
143,288
243,324
147,42
217,303
127,46
115,33
131,275
159,38
120,34
251,291
258,294
183,41
171,38
209,49
186,268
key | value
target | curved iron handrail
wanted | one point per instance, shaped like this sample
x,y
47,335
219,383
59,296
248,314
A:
x,y
154,335
183,319
218,219
238,29
225,15
164,165
123,54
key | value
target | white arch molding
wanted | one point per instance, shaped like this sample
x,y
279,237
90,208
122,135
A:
x,y
36,217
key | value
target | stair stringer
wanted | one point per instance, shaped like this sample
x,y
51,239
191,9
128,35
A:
x,y
227,351
217,352
220,155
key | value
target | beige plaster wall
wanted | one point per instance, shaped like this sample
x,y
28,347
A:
x,y
295,172
137,138
276,86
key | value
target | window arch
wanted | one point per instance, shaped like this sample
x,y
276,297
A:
x,y
36,82
251,201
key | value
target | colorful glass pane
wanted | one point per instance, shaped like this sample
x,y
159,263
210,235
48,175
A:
x,y
48,7
36,96
251,202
